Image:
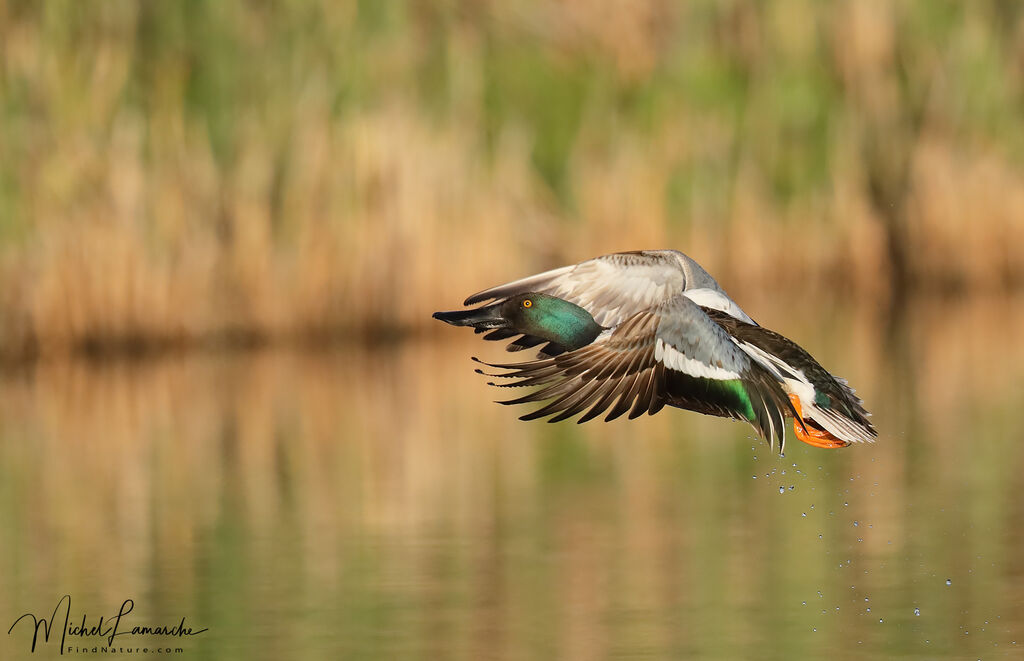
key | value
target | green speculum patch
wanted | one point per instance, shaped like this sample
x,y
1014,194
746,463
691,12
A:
x,y
737,392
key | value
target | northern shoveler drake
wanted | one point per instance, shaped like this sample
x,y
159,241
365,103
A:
x,y
635,331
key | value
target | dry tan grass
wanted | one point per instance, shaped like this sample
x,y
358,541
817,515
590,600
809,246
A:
x,y
132,232
392,218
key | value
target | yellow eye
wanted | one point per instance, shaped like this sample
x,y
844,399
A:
x,y
527,303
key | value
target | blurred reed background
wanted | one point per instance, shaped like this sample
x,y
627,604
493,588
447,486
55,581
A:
x,y
177,173
321,176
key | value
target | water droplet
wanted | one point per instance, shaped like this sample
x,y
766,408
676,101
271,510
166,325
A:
x,y
856,523
846,504
792,486
868,610
917,612
782,490
803,514
754,476
949,581
880,620
804,603
814,628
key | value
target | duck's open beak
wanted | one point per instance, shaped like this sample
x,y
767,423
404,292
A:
x,y
481,318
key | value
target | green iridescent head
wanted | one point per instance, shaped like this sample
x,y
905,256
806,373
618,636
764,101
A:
x,y
551,318
540,315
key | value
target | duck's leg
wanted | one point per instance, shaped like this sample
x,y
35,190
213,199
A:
x,y
819,438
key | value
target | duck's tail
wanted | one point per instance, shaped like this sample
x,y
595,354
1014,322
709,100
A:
x,y
827,412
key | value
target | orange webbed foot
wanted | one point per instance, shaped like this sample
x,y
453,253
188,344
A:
x,y
818,438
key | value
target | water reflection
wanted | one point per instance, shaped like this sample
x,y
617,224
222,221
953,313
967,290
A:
x,y
375,504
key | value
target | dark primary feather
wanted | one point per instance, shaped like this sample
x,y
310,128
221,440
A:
x,y
522,342
496,335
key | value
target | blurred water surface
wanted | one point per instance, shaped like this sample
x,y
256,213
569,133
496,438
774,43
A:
x,y
373,503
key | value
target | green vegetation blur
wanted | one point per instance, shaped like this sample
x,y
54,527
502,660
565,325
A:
x,y
173,173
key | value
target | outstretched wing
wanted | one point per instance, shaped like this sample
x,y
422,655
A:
x,y
669,354
613,288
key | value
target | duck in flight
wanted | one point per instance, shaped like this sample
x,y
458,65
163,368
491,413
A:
x,y
636,331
